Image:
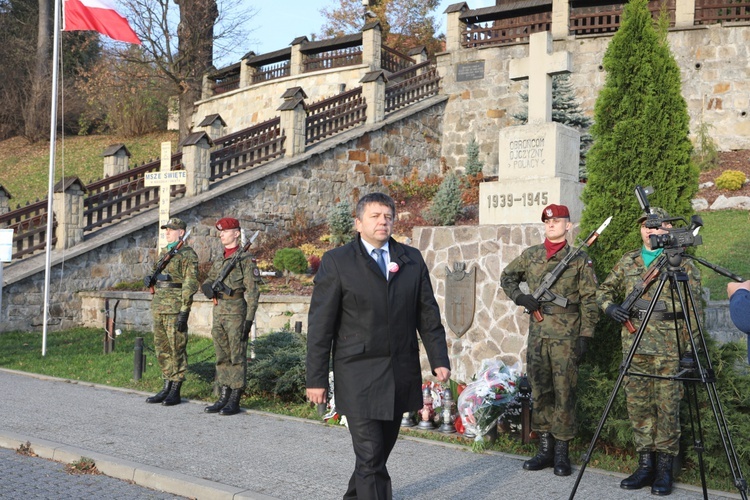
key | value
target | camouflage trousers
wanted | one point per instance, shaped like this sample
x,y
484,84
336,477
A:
x,y
171,347
231,350
553,373
654,404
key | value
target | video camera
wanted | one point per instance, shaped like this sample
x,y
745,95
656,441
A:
x,y
676,237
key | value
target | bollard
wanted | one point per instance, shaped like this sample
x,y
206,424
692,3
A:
x,y
298,326
139,359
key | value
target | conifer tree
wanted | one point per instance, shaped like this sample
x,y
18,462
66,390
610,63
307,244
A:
x,y
640,131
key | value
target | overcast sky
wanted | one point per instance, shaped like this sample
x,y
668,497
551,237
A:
x,y
302,18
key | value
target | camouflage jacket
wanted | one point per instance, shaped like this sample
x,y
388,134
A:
x,y
577,284
660,337
182,268
245,277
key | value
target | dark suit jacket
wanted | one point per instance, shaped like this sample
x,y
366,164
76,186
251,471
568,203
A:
x,y
370,325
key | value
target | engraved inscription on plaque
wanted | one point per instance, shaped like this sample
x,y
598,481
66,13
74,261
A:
x,y
470,71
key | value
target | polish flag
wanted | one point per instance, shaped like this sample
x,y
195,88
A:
x,y
97,15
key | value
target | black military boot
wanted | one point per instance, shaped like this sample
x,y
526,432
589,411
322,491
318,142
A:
x,y
643,475
233,405
546,455
174,395
663,482
162,394
221,403
562,462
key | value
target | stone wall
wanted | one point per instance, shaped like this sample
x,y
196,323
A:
x,y
358,162
715,84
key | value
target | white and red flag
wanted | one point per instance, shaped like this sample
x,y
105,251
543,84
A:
x,y
97,15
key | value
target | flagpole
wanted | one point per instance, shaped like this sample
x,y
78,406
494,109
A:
x,y
51,184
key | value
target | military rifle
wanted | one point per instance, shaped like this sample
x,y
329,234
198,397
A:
x,y
543,292
218,284
640,288
162,264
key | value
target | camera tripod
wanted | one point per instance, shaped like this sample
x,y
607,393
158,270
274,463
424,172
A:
x,y
694,366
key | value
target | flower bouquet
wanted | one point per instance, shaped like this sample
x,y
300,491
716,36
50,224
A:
x,y
484,400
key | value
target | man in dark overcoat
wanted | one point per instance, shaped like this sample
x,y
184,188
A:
x,y
371,297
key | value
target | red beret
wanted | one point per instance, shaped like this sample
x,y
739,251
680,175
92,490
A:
x,y
555,211
227,223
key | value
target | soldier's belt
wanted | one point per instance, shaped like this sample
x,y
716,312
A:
x,y
572,308
643,304
640,314
168,284
235,295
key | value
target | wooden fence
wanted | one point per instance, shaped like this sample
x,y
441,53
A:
x,y
335,114
504,31
715,11
392,60
337,58
29,225
247,148
123,195
272,72
411,85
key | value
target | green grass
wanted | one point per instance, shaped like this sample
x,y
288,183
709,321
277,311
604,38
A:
x,y
24,167
725,244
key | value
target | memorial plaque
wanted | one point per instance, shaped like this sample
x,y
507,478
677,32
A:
x,y
470,71
460,297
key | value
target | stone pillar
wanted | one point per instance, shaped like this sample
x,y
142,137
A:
x,y
560,18
213,125
246,72
373,90
196,158
207,87
4,201
371,45
684,14
67,204
116,158
295,62
293,116
419,54
454,28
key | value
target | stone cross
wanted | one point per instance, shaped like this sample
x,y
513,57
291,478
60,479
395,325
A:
x,y
538,68
165,179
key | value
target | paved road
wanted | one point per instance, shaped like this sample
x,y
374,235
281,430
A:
x,y
183,451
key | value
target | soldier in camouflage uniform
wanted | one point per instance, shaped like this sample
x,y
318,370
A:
x,y
653,404
233,316
557,344
170,308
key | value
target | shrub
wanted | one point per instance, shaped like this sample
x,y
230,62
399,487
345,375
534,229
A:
x,y
473,165
290,260
279,366
341,223
447,204
413,187
705,154
314,262
731,180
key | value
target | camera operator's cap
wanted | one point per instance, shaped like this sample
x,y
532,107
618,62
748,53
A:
x,y
659,212
227,223
175,223
555,211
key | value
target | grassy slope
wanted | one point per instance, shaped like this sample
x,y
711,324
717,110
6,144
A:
x,y
24,167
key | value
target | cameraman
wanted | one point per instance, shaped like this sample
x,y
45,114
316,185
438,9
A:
x,y
653,403
739,308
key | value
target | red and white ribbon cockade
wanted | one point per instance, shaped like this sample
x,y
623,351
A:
x,y
392,267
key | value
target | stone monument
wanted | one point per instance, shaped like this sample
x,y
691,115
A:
x,y
538,161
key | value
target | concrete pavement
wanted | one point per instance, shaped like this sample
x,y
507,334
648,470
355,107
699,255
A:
x,y
182,451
